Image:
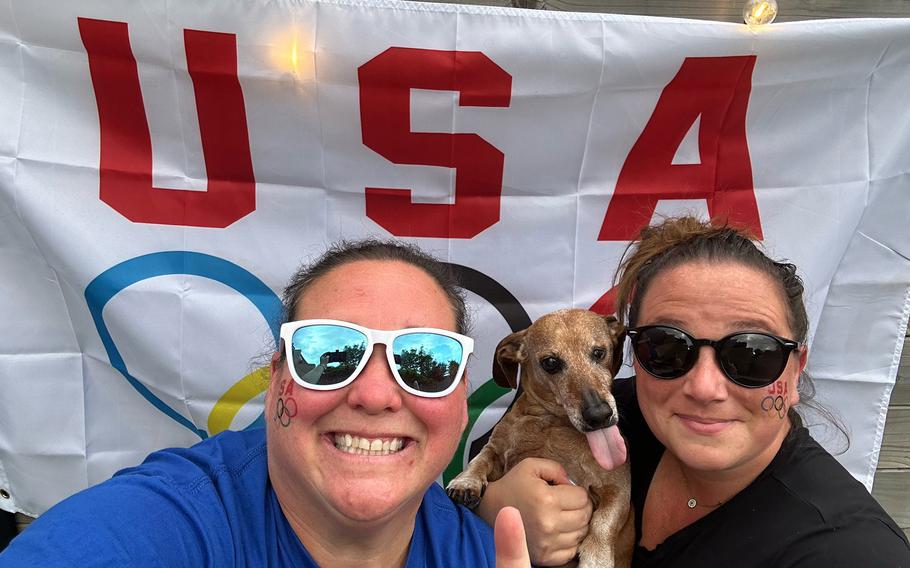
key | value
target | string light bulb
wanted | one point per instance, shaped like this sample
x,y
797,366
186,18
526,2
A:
x,y
759,12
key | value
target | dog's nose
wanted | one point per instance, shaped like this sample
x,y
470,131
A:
x,y
595,411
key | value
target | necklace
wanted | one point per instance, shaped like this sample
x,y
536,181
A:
x,y
693,502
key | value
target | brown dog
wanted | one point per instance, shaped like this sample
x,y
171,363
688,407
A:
x,y
565,413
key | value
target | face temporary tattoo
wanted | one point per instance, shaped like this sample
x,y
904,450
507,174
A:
x,y
775,402
778,388
771,404
286,409
286,406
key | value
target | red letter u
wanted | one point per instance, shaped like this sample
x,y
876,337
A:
x,y
126,147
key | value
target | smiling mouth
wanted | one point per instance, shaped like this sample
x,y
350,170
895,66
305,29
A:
x,y
705,425
702,420
368,446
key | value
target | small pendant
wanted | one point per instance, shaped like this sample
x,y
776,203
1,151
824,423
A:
x,y
692,503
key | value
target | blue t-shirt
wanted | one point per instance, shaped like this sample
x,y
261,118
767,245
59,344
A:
x,y
213,505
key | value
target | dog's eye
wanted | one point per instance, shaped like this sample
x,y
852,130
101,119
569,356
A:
x,y
551,365
598,353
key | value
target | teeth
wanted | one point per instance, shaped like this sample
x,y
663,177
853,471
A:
x,y
364,446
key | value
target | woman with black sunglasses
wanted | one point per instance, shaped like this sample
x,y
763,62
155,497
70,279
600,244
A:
x,y
723,471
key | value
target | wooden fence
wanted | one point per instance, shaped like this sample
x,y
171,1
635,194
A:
x,y
892,478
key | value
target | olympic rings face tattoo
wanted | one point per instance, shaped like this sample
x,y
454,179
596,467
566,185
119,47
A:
x,y
774,403
286,410
286,407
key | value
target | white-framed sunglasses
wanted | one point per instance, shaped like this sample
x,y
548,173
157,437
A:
x,y
326,354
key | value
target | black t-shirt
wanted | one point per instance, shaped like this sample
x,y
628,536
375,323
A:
x,y
804,510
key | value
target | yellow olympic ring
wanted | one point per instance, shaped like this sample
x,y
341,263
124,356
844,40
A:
x,y
240,393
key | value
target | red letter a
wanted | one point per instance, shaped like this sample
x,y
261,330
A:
x,y
717,89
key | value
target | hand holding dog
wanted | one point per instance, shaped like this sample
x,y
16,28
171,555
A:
x,y
555,512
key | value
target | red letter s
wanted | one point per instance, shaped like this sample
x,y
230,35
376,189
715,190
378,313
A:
x,y
385,118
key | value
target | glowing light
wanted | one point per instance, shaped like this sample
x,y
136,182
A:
x,y
295,58
290,53
759,12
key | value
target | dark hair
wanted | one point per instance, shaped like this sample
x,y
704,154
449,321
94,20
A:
x,y
345,252
681,240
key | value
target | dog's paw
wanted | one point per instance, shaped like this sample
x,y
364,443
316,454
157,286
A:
x,y
466,490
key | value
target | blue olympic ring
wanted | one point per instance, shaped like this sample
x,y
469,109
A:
x,y
110,282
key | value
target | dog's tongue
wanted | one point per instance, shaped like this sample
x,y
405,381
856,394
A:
x,y
608,447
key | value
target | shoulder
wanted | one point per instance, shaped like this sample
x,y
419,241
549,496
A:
x,y
441,514
835,521
864,541
216,473
447,534
805,510
226,454
155,512
813,478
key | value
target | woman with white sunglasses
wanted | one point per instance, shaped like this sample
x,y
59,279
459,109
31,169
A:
x,y
366,404
356,464
724,474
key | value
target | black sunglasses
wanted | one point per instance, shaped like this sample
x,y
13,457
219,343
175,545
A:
x,y
750,359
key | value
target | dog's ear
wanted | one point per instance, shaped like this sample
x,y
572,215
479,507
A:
x,y
509,353
618,331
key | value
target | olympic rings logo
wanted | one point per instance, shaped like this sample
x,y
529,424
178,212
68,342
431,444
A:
x,y
286,409
774,403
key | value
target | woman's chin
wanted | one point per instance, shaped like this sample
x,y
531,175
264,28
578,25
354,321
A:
x,y
371,501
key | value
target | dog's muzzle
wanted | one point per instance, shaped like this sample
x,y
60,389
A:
x,y
595,411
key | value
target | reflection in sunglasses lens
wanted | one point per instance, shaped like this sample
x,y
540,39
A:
x,y
326,354
748,359
753,359
427,362
664,352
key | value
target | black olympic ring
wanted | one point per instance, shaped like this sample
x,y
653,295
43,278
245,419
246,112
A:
x,y
286,411
508,307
